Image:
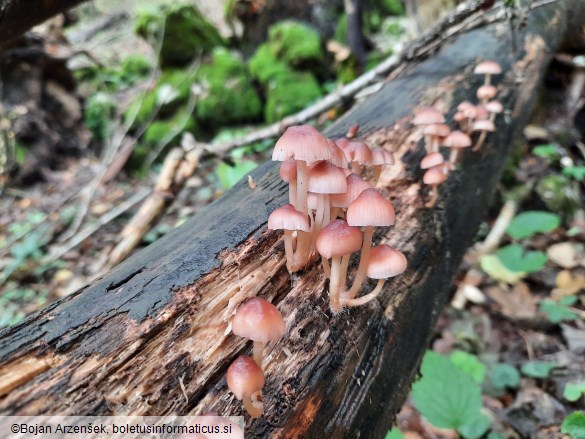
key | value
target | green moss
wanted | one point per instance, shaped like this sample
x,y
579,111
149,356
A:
x,y
289,93
295,43
134,67
229,96
341,30
100,110
264,65
391,7
559,194
159,130
186,32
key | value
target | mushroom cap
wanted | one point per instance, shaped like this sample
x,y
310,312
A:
x,y
459,116
342,142
355,186
338,239
487,68
470,112
370,208
244,377
437,129
338,158
464,105
435,175
481,113
258,320
486,92
288,170
432,159
302,142
382,157
457,139
326,178
288,218
484,125
385,262
494,107
427,116
358,152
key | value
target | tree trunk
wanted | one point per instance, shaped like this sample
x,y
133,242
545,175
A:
x,y
130,341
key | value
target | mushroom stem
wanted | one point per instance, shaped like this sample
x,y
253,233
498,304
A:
x,y
488,78
377,173
356,168
453,156
302,187
365,299
292,194
288,249
480,141
258,353
302,252
343,274
254,407
326,267
434,196
334,284
364,258
334,213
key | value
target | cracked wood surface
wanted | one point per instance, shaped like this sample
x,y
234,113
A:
x,y
124,344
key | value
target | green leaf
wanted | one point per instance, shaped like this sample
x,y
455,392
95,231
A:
x,y
559,312
469,364
494,435
530,223
394,434
574,391
492,265
515,258
574,424
505,375
576,172
446,396
538,369
230,175
476,427
549,151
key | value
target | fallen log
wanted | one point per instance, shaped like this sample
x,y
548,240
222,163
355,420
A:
x,y
152,336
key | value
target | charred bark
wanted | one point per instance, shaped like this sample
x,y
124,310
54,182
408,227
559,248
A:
x,y
124,344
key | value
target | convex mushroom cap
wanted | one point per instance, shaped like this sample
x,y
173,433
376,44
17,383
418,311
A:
x,y
432,159
435,175
385,262
244,377
457,139
258,320
302,142
338,239
326,178
487,68
428,116
370,208
288,218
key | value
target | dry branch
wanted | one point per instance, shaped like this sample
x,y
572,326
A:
x,y
156,328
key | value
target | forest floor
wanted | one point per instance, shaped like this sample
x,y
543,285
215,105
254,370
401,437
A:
x,y
516,322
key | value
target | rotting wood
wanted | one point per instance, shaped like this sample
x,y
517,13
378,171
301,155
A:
x,y
126,343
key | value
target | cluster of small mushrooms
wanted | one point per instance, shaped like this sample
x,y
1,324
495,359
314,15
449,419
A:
x,y
329,205
470,118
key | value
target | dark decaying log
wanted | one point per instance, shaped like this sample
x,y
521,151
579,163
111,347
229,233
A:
x,y
127,343
18,16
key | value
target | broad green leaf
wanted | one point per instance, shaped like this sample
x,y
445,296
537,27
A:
x,y
230,175
469,364
577,172
559,312
546,151
476,427
505,375
532,222
492,265
574,391
515,258
574,424
394,434
494,435
538,369
446,396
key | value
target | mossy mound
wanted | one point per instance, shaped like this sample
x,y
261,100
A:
x,y
295,43
228,95
100,111
289,93
186,32
264,65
